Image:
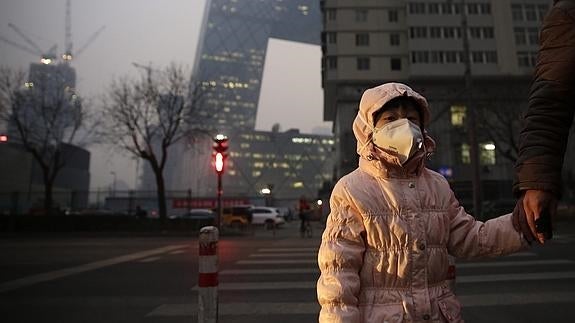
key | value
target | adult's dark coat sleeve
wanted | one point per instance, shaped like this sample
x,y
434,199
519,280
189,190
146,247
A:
x,y
543,138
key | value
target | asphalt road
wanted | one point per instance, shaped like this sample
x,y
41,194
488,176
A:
x,y
263,278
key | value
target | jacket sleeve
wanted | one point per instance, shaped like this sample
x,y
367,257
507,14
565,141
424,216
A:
x,y
469,238
340,259
551,105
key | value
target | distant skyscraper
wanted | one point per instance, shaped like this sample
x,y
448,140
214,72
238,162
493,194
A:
x,y
231,54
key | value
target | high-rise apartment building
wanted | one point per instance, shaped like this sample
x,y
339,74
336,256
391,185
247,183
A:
x,y
366,43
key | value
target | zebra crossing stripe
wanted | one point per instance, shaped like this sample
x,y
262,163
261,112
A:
x,y
460,280
310,308
272,255
287,249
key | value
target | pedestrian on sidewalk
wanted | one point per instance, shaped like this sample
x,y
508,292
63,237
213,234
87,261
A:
x,y
393,222
546,124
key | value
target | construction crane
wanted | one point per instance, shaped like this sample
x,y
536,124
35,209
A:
x,y
68,53
50,56
46,57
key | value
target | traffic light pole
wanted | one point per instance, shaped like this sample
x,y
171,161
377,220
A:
x,y
219,215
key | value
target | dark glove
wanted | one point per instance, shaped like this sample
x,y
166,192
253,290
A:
x,y
520,223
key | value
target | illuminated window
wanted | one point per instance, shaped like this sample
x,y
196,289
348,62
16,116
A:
x,y
465,154
487,153
256,173
297,184
458,115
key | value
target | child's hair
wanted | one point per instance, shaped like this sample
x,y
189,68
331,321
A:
x,y
395,102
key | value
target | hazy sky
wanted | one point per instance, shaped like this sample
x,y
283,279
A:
x,y
157,32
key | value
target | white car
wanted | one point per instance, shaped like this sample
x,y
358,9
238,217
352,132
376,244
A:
x,y
268,216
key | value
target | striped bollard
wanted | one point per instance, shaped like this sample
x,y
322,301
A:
x,y
208,275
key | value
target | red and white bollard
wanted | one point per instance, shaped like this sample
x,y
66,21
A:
x,y
208,275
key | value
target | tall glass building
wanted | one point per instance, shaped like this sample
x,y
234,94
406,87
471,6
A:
x,y
227,77
231,54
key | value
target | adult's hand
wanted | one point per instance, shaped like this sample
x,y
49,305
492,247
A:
x,y
536,202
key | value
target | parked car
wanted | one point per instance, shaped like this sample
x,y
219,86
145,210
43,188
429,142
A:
x,y
237,216
268,216
196,214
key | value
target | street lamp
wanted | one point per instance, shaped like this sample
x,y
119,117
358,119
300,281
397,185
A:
x,y
113,184
220,147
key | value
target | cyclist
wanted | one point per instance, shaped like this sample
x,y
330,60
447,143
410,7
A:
x,y
304,208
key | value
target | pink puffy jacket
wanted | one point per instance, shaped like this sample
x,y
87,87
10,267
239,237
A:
x,y
384,251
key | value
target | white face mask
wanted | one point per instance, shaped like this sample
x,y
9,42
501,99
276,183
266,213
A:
x,y
402,136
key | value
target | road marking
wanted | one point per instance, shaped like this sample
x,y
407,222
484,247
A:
x,y
150,259
276,262
514,263
176,252
295,254
255,309
315,270
270,271
287,249
552,275
522,254
52,275
460,280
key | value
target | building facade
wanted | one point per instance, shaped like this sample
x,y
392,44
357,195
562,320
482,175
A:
x,y
227,80
367,43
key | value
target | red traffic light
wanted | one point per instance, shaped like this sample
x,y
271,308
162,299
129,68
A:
x,y
220,143
3,138
219,162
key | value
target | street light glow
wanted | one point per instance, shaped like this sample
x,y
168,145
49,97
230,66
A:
x,y
319,202
489,147
266,191
219,136
219,162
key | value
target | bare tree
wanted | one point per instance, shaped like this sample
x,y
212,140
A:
x,y
148,115
500,122
45,114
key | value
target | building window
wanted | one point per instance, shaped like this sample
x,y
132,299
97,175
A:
x,y
477,57
491,57
485,8
416,8
332,63
433,8
394,39
449,32
363,63
420,57
392,16
331,38
331,14
488,32
362,39
436,57
526,59
395,64
465,154
446,8
475,32
542,10
472,8
519,36
517,12
458,115
435,32
530,13
418,32
361,15
533,36
487,153
451,57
